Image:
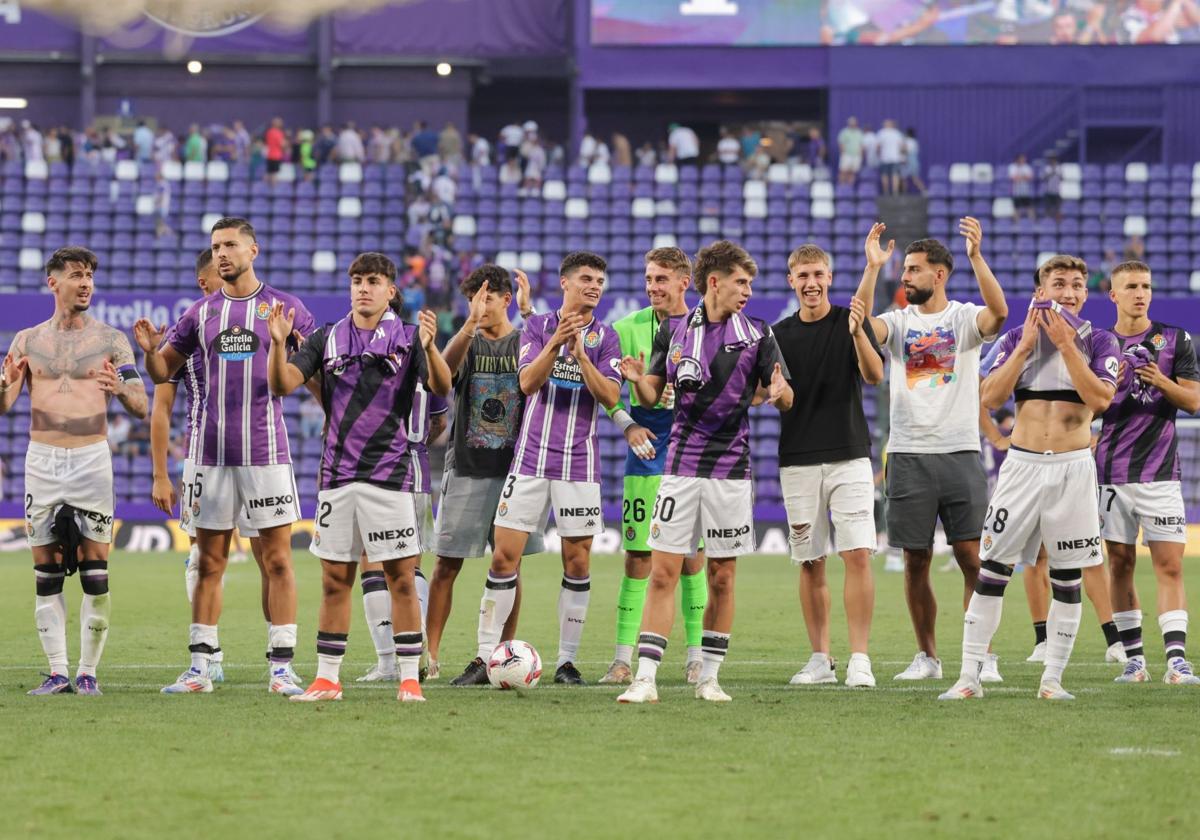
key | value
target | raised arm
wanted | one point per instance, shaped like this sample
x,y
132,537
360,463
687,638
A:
x,y
870,362
1001,380
161,360
877,258
648,387
606,390
283,377
534,375
992,318
455,351
16,363
162,492
439,371
1096,393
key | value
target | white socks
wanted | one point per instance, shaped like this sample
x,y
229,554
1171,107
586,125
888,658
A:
x,y
50,618
979,625
572,614
1062,625
93,631
496,605
202,634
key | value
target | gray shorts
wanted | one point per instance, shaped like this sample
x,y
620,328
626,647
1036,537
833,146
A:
x,y
465,513
921,488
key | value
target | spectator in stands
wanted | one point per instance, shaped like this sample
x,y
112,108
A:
x,y
646,156
444,187
273,142
425,144
510,170
195,148
450,145
324,145
814,152
481,150
910,173
870,145
622,152
307,160
891,156
750,140
223,145
729,150
52,147
1020,179
241,142
587,149
1052,188
1135,249
533,154
850,151
162,205
441,217
312,417
1158,21
510,138
350,145
31,140
10,143
165,146
143,142
683,145
67,138
379,146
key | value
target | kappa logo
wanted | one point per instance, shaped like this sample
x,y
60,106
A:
x,y
591,523
401,546
280,511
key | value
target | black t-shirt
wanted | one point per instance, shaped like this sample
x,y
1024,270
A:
x,y
826,422
488,404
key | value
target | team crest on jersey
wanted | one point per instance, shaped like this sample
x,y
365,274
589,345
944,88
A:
x,y
1158,341
236,344
503,509
184,517
676,353
630,533
29,529
591,339
987,542
195,508
316,537
655,531
262,310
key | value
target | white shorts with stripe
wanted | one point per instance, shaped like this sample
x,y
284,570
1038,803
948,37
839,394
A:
x,y
1156,506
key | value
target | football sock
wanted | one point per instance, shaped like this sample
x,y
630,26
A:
x,y
218,655
693,598
377,607
572,613
630,599
651,648
1174,632
283,644
331,647
422,586
1039,632
203,641
189,578
93,614
50,615
270,628
408,653
1129,624
714,646
1062,622
499,595
982,618
1112,635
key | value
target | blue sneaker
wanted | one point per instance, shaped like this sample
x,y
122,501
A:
x,y
54,684
85,685
215,672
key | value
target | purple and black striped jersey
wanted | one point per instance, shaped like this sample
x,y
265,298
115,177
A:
x,y
710,435
240,423
368,379
426,405
1137,441
191,376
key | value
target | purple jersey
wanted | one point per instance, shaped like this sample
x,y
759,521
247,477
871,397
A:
x,y
558,430
241,424
425,406
1045,375
710,436
1137,441
191,376
368,379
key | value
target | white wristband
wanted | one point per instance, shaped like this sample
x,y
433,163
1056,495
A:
x,y
623,420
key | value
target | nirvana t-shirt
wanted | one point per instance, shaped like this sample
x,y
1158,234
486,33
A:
x,y
487,408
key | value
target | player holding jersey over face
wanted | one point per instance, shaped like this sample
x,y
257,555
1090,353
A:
x,y
719,361
1062,372
1138,464
647,429
568,366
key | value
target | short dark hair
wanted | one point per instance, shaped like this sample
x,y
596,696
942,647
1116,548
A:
x,y
373,262
1129,267
71,254
721,257
497,279
581,259
242,226
203,260
935,253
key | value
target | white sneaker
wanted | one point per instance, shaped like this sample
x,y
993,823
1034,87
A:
x,y
922,668
893,563
1135,671
1179,672
709,690
991,670
858,671
643,690
1053,690
190,681
820,669
965,689
376,674
1039,653
1116,653
283,681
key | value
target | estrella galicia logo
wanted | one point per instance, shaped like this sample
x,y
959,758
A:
x,y
236,344
199,22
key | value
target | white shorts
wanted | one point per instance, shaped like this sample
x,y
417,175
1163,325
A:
x,y
360,516
187,521
1155,505
721,510
80,477
576,505
1047,499
843,490
423,508
265,494
850,163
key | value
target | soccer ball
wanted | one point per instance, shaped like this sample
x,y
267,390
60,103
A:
x,y
514,665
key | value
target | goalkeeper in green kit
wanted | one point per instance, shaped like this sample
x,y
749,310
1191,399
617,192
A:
x,y
668,273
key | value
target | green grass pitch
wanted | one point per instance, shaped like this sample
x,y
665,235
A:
x,y
777,762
